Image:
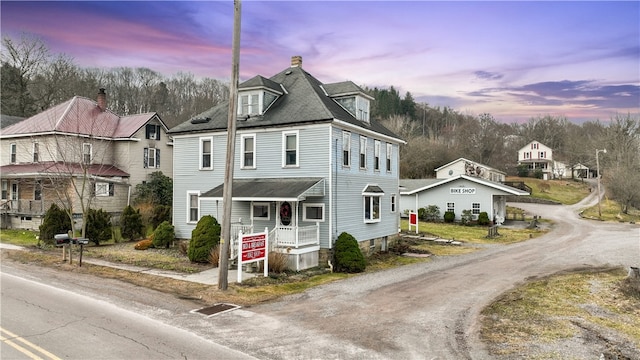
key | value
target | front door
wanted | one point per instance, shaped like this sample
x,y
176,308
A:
x,y
286,214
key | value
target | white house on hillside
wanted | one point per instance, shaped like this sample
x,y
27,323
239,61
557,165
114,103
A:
x,y
538,156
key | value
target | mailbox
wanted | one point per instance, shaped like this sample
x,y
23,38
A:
x,y
80,241
62,239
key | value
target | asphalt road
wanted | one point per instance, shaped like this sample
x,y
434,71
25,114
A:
x,y
39,321
423,311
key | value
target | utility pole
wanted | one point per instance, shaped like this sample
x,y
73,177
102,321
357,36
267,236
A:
x,y
227,191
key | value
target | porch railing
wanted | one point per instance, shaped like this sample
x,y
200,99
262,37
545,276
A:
x,y
296,236
28,207
236,229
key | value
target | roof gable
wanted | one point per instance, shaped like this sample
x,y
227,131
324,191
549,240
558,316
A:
x,y
81,116
413,188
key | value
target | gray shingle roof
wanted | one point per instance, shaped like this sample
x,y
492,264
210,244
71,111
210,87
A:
x,y
305,101
270,189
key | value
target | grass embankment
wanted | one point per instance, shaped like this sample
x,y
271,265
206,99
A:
x,y
611,212
567,192
535,319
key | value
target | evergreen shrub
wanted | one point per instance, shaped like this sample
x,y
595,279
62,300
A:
x,y
131,224
164,235
466,217
347,255
98,226
204,237
483,218
56,221
160,213
449,216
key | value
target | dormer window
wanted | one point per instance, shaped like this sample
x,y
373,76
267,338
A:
x,y
358,106
254,102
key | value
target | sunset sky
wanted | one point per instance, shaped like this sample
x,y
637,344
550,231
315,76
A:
x,y
514,60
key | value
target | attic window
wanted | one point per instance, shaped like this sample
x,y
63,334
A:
x,y
254,102
358,106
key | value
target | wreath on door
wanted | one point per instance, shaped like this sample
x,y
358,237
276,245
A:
x,y
285,213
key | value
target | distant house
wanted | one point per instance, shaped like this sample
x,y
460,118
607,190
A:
x,y
78,140
538,156
467,167
310,163
458,193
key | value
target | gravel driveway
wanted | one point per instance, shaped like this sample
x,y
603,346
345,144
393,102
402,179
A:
x,y
422,311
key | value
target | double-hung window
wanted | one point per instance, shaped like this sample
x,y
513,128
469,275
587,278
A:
x,y
36,152
393,203
290,149
206,153
248,150
249,104
193,204
151,158
13,152
5,190
104,189
389,154
346,148
451,207
376,155
475,208
87,153
313,212
363,152
371,196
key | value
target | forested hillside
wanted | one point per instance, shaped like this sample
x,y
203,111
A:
x,y
33,80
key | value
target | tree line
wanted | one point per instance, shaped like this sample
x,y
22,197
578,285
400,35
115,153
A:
x,y
33,80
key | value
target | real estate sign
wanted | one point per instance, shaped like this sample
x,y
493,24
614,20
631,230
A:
x,y
254,247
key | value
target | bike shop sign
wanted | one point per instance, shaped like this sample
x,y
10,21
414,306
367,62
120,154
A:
x,y
462,191
254,247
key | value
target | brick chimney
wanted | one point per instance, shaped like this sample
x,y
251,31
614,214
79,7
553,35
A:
x,y
102,99
296,61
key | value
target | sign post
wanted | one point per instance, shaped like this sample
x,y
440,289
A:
x,y
254,247
413,221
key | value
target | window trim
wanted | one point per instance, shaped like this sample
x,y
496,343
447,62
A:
x,y
389,155
393,202
107,189
189,208
201,153
261,203
258,107
376,155
312,205
285,134
13,150
362,160
84,153
370,199
36,152
346,149
243,150
475,210
155,157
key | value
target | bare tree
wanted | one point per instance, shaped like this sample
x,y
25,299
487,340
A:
x,y
621,164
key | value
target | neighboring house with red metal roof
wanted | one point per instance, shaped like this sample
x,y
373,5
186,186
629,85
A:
x,y
46,158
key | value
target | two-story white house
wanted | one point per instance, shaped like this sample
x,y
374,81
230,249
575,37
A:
x,y
538,156
78,151
310,163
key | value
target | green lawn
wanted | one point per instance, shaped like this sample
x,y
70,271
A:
x,y
472,234
567,192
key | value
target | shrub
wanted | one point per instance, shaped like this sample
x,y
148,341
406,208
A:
x,y
523,170
432,213
537,173
278,262
347,255
56,221
98,226
160,213
143,244
466,217
131,227
214,256
183,246
164,235
449,216
422,213
157,190
205,236
483,218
